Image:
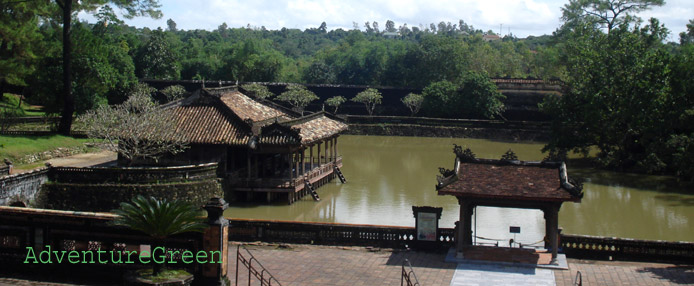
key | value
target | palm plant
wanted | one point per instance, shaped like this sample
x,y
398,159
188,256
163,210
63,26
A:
x,y
159,219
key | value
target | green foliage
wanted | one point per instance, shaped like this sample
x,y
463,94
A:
x,y
19,30
688,36
156,59
370,97
607,14
297,96
413,101
174,92
474,96
335,102
627,96
257,90
159,218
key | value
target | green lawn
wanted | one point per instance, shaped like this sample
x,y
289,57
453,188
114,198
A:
x,y
10,101
16,147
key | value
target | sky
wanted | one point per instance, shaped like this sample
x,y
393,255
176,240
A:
x,y
521,17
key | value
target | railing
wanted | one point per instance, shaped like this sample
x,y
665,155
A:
x,y
408,278
612,248
328,233
78,231
258,271
134,175
578,281
239,179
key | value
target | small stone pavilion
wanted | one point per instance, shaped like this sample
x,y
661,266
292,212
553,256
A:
x,y
264,151
507,183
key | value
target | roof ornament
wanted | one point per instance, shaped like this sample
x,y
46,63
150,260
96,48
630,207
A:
x,y
464,155
509,156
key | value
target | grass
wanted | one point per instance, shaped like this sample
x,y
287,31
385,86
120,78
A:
x,y
11,101
164,275
17,147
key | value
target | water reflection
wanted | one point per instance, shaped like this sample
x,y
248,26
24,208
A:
x,y
388,175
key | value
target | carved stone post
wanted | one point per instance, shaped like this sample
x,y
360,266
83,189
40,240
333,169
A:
x,y
215,239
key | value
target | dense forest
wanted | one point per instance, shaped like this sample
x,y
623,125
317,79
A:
x,y
627,92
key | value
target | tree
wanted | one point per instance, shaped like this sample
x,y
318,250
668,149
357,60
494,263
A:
x,y
413,101
297,96
20,37
607,13
257,90
156,59
439,99
160,219
174,92
688,36
171,25
132,9
335,101
136,129
370,97
618,97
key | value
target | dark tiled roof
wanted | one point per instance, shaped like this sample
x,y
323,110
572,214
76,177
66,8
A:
x,y
226,116
209,125
247,108
517,180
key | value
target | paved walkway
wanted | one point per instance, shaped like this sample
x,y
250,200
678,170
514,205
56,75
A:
x,y
499,275
325,265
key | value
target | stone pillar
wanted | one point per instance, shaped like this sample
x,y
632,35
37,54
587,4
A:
x,y
552,226
215,238
464,227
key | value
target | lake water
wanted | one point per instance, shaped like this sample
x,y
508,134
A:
x,y
386,176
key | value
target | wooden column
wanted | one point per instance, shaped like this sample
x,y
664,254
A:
x,y
319,161
297,161
255,169
310,156
249,164
326,151
303,164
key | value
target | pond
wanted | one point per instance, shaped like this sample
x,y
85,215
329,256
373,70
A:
x,y
386,176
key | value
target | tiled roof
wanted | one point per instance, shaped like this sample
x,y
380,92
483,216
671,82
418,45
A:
x,y
226,116
516,180
209,125
247,108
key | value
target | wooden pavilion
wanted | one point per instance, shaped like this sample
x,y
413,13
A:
x,y
264,150
509,184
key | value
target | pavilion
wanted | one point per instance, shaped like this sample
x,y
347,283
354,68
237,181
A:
x,y
263,149
507,183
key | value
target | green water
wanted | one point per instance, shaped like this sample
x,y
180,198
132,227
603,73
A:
x,y
386,176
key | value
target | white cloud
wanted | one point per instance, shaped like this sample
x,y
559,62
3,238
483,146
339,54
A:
x,y
524,17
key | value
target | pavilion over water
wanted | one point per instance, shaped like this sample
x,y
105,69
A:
x,y
507,183
263,149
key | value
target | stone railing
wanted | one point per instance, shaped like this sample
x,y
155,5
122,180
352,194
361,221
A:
x,y
613,248
21,189
328,233
133,175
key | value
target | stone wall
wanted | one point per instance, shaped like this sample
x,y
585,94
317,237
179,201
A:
x,y
21,189
511,135
105,197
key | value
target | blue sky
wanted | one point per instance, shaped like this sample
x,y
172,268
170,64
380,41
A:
x,y
523,17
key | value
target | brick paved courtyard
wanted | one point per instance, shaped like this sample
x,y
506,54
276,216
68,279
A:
x,y
329,265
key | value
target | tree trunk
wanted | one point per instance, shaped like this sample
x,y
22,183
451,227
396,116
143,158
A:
x,y
68,99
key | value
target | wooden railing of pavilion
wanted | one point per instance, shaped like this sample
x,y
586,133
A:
x,y
239,179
